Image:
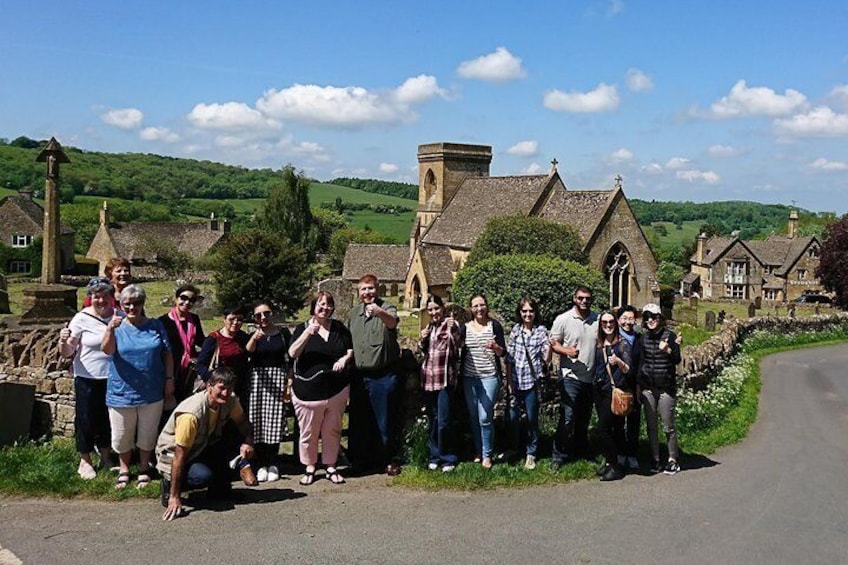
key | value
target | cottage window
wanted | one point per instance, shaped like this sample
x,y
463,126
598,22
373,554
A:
x,y
618,273
802,274
21,240
734,290
770,294
19,267
766,269
813,252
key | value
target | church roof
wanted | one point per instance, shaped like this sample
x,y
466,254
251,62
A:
x,y
388,263
130,239
438,264
582,209
477,200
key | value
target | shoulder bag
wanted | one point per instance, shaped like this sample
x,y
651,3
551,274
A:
x,y
622,401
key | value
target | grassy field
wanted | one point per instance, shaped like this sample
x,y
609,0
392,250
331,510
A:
x,y
674,237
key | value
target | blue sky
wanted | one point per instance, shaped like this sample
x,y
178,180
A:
x,y
687,101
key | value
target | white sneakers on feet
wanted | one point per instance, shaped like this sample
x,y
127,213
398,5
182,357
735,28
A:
x,y
432,466
262,475
86,471
273,474
448,467
530,462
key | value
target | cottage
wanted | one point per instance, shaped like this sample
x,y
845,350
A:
x,y
140,241
779,268
21,222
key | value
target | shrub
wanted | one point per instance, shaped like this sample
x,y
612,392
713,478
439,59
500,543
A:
x,y
551,281
515,235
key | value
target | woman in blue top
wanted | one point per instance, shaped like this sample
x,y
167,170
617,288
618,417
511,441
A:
x,y
528,350
141,377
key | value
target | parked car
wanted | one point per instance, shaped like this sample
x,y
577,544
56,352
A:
x,y
814,299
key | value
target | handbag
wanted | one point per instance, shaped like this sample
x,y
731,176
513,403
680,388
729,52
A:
x,y
622,401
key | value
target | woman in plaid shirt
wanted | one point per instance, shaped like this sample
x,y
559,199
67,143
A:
x,y
440,343
528,350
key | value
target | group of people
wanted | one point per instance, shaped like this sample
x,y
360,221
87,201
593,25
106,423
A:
x,y
597,354
207,406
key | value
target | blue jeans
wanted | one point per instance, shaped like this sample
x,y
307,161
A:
x,y
575,411
480,397
529,399
373,411
210,469
437,403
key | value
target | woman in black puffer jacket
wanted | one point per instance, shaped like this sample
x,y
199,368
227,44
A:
x,y
658,382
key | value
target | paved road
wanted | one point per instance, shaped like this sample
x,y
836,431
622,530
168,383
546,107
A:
x,y
779,497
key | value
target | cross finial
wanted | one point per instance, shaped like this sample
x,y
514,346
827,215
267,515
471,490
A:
x,y
618,180
554,163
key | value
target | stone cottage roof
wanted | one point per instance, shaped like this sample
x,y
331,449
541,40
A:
x,y
389,263
582,209
195,239
34,212
714,248
776,250
477,200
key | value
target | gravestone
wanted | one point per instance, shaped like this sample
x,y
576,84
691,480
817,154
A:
x,y
693,302
710,321
16,403
790,310
752,310
758,302
816,310
4,296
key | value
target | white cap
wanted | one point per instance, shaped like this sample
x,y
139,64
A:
x,y
651,308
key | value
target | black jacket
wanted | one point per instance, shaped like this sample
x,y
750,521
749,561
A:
x,y
658,369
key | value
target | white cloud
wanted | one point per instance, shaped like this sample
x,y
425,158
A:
x,y
158,134
229,116
532,169
719,150
637,81
603,99
677,163
527,148
418,89
818,122
500,66
839,95
824,165
652,169
124,118
708,177
388,168
621,155
757,101
615,7
349,107
230,141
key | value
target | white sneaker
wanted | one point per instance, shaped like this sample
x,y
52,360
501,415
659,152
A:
x,y
633,463
530,462
86,471
448,467
433,466
273,474
262,475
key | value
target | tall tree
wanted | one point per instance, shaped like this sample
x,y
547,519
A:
x,y
833,261
287,209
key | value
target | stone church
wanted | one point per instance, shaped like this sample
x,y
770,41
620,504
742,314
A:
x,y
457,196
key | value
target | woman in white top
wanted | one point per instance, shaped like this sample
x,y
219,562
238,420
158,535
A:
x,y
481,374
81,340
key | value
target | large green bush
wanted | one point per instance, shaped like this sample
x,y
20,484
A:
x,y
551,281
515,235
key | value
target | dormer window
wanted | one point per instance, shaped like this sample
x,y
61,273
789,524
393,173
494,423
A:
x,y
813,252
19,241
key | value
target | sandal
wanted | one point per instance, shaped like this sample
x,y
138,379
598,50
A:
x,y
308,478
334,477
143,479
122,481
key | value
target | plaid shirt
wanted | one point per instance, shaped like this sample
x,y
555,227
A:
x,y
441,351
516,355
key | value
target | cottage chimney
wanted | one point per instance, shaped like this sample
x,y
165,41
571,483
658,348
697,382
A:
x,y
104,214
25,193
699,249
226,225
213,222
793,224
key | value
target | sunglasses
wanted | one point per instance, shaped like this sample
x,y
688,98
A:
x,y
652,316
527,311
607,322
134,304
583,298
187,298
261,315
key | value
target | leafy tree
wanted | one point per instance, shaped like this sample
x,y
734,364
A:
x,y
550,280
255,265
833,261
669,274
326,224
513,235
710,229
287,211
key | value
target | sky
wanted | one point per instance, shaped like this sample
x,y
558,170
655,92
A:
x,y
686,101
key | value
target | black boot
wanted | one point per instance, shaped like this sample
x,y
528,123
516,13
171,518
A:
x,y
614,473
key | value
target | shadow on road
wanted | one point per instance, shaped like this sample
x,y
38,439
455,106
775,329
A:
x,y
690,461
243,497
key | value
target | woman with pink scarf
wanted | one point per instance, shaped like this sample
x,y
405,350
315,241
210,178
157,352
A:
x,y
186,336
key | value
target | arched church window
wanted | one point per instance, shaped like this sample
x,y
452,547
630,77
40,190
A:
x,y
618,271
429,185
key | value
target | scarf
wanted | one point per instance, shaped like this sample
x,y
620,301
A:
x,y
186,337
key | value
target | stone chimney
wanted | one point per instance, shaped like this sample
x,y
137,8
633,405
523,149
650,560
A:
x,y
104,214
25,193
226,225
213,222
792,229
699,249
